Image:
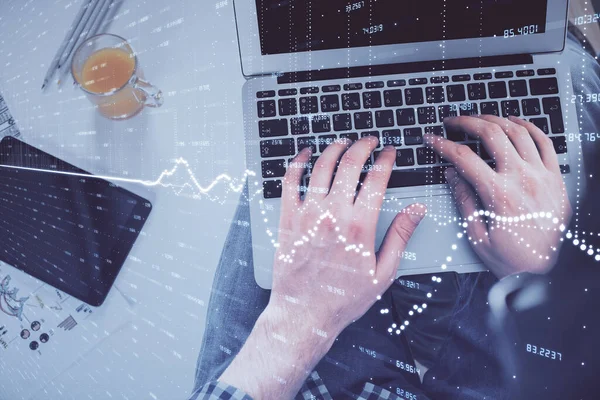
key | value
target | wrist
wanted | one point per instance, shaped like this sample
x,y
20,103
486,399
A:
x,y
306,339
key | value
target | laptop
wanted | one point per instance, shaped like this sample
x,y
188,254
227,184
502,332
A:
x,y
321,70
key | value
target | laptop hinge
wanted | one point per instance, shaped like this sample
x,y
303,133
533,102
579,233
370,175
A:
x,y
404,68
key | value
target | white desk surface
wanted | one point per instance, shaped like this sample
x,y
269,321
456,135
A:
x,y
189,49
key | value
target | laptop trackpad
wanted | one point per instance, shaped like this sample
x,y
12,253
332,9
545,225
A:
x,y
438,242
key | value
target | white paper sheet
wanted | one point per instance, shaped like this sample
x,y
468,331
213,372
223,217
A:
x,y
43,331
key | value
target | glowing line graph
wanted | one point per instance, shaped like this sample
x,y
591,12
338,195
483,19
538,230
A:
x,y
160,180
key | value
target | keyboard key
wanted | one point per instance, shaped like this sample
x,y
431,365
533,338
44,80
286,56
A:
x,y
342,122
560,144
350,101
483,76
309,90
446,111
309,105
330,103
392,98
553,109
266,108
455,135
353,86
307,141
437,130
351,136
413,96
273,168
417,81
384,118
503,74
413,136
272,189
324,141
371,99
426,115
391,137
265,93
510,107
541,123
363,120
374,85
277,148
543,86
476,91
468,109
321,124
527,72
517,88
405,116
416,177
565,169
435,94
490,108
374,134
484,154
396,83
546,71
531,107
425,155
456,92
368,166
300,126
287,107
331,88
405,157
497,90
272,127
440,79
288,92
461,78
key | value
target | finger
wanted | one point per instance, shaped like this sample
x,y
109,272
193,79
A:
x,y
466,202
395,241
470,165
370,196
493,137
322,173
544,144
348,173
290,195
518,136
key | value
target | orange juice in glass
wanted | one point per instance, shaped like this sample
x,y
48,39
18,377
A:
x,y
107,70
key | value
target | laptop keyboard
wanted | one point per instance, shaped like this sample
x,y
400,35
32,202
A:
x,y
398,112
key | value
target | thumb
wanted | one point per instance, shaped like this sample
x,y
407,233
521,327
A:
x,y
396,239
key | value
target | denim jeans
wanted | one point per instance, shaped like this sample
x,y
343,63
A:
x,y
451,337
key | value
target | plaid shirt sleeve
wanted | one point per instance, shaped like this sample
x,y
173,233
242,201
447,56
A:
x,y
219,391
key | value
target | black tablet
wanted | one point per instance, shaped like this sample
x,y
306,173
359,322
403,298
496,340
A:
x,y
62,225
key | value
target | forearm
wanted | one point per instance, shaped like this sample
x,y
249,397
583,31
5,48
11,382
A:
x,y
277,357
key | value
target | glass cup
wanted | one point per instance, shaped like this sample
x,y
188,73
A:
x,y
106,68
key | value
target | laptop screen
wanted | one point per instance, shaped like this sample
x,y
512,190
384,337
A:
x,y
290,26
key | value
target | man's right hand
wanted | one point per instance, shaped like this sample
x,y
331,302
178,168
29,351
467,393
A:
x,y
512,235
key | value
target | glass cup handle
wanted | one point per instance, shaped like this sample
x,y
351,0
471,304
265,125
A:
x,y
153,95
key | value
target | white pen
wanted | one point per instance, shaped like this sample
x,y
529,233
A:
x,y
61,49
86,16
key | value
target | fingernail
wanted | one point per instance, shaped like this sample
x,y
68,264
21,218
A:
x,y
417,212
450,174
389,148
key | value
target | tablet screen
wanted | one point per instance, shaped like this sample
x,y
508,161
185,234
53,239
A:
x,y
63,226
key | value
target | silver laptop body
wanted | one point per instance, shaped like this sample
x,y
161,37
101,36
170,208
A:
x,y
309,81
